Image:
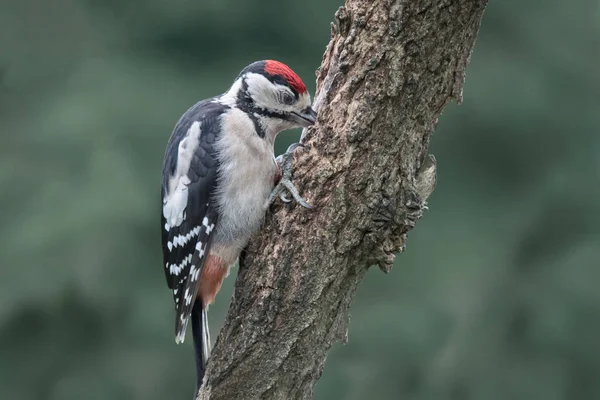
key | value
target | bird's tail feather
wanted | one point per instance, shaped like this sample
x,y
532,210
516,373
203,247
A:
x,y
180,328
201,335
206,339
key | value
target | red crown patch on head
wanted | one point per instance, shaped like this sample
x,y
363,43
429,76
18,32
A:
x,y
276,68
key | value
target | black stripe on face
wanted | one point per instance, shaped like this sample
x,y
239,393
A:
x,y
259,129
244,101
246,104
270,114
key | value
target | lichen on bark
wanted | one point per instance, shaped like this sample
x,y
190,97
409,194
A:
x,y
389,70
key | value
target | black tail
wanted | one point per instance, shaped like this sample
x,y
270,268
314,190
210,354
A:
x,y
201,337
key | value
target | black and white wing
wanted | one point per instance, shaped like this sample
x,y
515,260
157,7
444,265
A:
x,y
189,214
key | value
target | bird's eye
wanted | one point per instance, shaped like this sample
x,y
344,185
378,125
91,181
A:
x,y
287,98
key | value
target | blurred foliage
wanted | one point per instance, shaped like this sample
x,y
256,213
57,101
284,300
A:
x,y
495,298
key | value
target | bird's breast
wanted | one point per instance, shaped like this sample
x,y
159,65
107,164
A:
x,y
246,178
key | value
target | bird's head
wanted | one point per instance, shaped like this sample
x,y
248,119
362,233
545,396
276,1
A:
x,y
272,93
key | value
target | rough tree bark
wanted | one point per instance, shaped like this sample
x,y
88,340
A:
x,y
390,68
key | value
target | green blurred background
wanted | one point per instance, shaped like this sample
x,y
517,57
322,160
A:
x,y
496,297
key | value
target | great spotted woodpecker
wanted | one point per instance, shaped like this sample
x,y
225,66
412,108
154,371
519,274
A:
x,y
219,176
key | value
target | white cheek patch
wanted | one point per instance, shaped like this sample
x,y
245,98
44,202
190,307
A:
x,y
267,94
263,92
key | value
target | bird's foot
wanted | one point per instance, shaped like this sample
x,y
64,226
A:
x,y
285,185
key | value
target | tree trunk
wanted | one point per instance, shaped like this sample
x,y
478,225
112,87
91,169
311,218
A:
x,y
390,68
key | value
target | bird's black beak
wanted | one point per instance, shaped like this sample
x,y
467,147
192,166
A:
x,y
306,118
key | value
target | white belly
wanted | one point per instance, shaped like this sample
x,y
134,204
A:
x,y
246,178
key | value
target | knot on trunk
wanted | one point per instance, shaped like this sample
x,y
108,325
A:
x,y
395,216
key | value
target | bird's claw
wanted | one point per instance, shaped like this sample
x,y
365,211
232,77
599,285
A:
x,y
284,198
285,158
285,183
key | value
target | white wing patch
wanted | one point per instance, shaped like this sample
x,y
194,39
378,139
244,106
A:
x,y
190,269
181,335
182,240
176,196
175,269
188,297
200,247
209,228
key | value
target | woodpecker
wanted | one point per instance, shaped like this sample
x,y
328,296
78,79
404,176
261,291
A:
x,y
219,176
